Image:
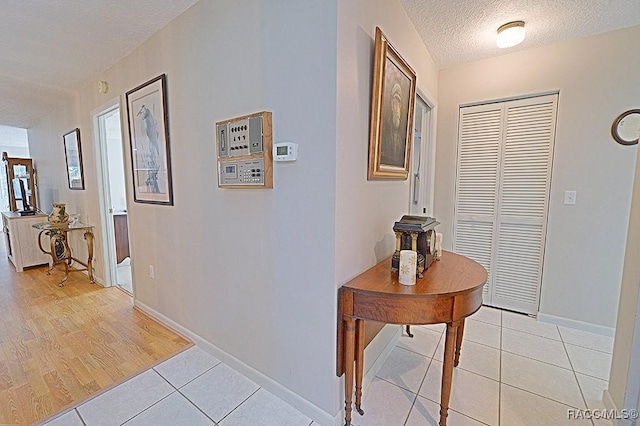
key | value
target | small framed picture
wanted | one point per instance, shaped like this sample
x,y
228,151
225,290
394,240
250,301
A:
x,y
73,156
392,104
149,139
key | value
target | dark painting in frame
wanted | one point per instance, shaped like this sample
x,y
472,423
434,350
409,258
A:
x,y
149,139
392,108
73,157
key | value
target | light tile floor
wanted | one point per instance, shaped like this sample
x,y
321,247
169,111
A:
x,y
514,371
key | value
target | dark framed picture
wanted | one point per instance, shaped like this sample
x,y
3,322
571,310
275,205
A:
x,y
392,104
149,139
73,156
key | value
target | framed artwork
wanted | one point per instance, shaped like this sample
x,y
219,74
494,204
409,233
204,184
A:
x,y
149,139
73,156
392,104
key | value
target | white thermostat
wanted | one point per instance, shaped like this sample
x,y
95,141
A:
x,y
285,151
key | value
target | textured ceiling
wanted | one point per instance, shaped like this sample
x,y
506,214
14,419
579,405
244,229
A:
x,y
457,31
49,48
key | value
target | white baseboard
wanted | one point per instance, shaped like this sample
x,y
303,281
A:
x,y
317,414
611,406
608,401
578,325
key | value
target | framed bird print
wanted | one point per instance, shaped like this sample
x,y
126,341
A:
x,y
149,139
73,155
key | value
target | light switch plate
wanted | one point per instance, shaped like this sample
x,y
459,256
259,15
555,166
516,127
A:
x,y
570,197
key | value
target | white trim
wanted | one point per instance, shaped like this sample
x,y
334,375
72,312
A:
x,y
511,98
608,401
578,325
103,200
317,414
611,406
428,152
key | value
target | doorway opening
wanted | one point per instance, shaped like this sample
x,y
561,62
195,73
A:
x,y
113,203
422,161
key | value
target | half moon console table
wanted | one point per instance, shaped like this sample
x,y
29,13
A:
x,y
450,291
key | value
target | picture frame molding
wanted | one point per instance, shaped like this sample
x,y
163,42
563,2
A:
x,y
377,170
73,137
161,82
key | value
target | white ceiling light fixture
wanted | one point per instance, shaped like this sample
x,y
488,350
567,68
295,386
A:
x,y
510,34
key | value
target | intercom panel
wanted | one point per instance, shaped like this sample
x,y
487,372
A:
x,y
242,172
244,144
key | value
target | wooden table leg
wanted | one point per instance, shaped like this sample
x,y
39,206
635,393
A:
x,y
88,236
447,370
458,343
349,338
359,363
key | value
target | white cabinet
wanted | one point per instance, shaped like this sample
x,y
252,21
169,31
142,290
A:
x,y
22,240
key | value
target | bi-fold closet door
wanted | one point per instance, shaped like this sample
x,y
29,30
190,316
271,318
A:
x,y
505,152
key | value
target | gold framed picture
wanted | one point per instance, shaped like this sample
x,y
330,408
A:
x,y
392,104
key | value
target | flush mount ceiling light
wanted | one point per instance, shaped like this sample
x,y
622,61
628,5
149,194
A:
x,y
510,34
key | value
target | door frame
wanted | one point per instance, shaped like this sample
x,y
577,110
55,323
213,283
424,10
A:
x,y
104,190
427,157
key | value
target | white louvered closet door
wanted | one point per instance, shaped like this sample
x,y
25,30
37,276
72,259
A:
x,y
477,185
504,172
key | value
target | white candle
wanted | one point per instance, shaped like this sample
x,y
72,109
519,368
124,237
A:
x,y
408,265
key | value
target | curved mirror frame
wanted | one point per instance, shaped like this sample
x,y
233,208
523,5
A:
x,y
626,127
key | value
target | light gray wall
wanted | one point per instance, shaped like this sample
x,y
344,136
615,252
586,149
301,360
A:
x,y
597,78
624,380
250,271
366,210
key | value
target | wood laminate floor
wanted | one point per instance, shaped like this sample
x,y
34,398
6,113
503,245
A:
x,y
60,345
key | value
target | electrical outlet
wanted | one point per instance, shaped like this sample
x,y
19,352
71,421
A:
x,y
570,197
152,272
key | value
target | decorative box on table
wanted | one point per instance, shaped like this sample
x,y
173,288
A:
x,y
415,233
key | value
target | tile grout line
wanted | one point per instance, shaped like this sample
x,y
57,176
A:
x,y
575,375
452,409
78,414
535,359
587,347
175,390
196,405
161,399
422,381
243,401
417,394
197,377
190,381
543,396
155,403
